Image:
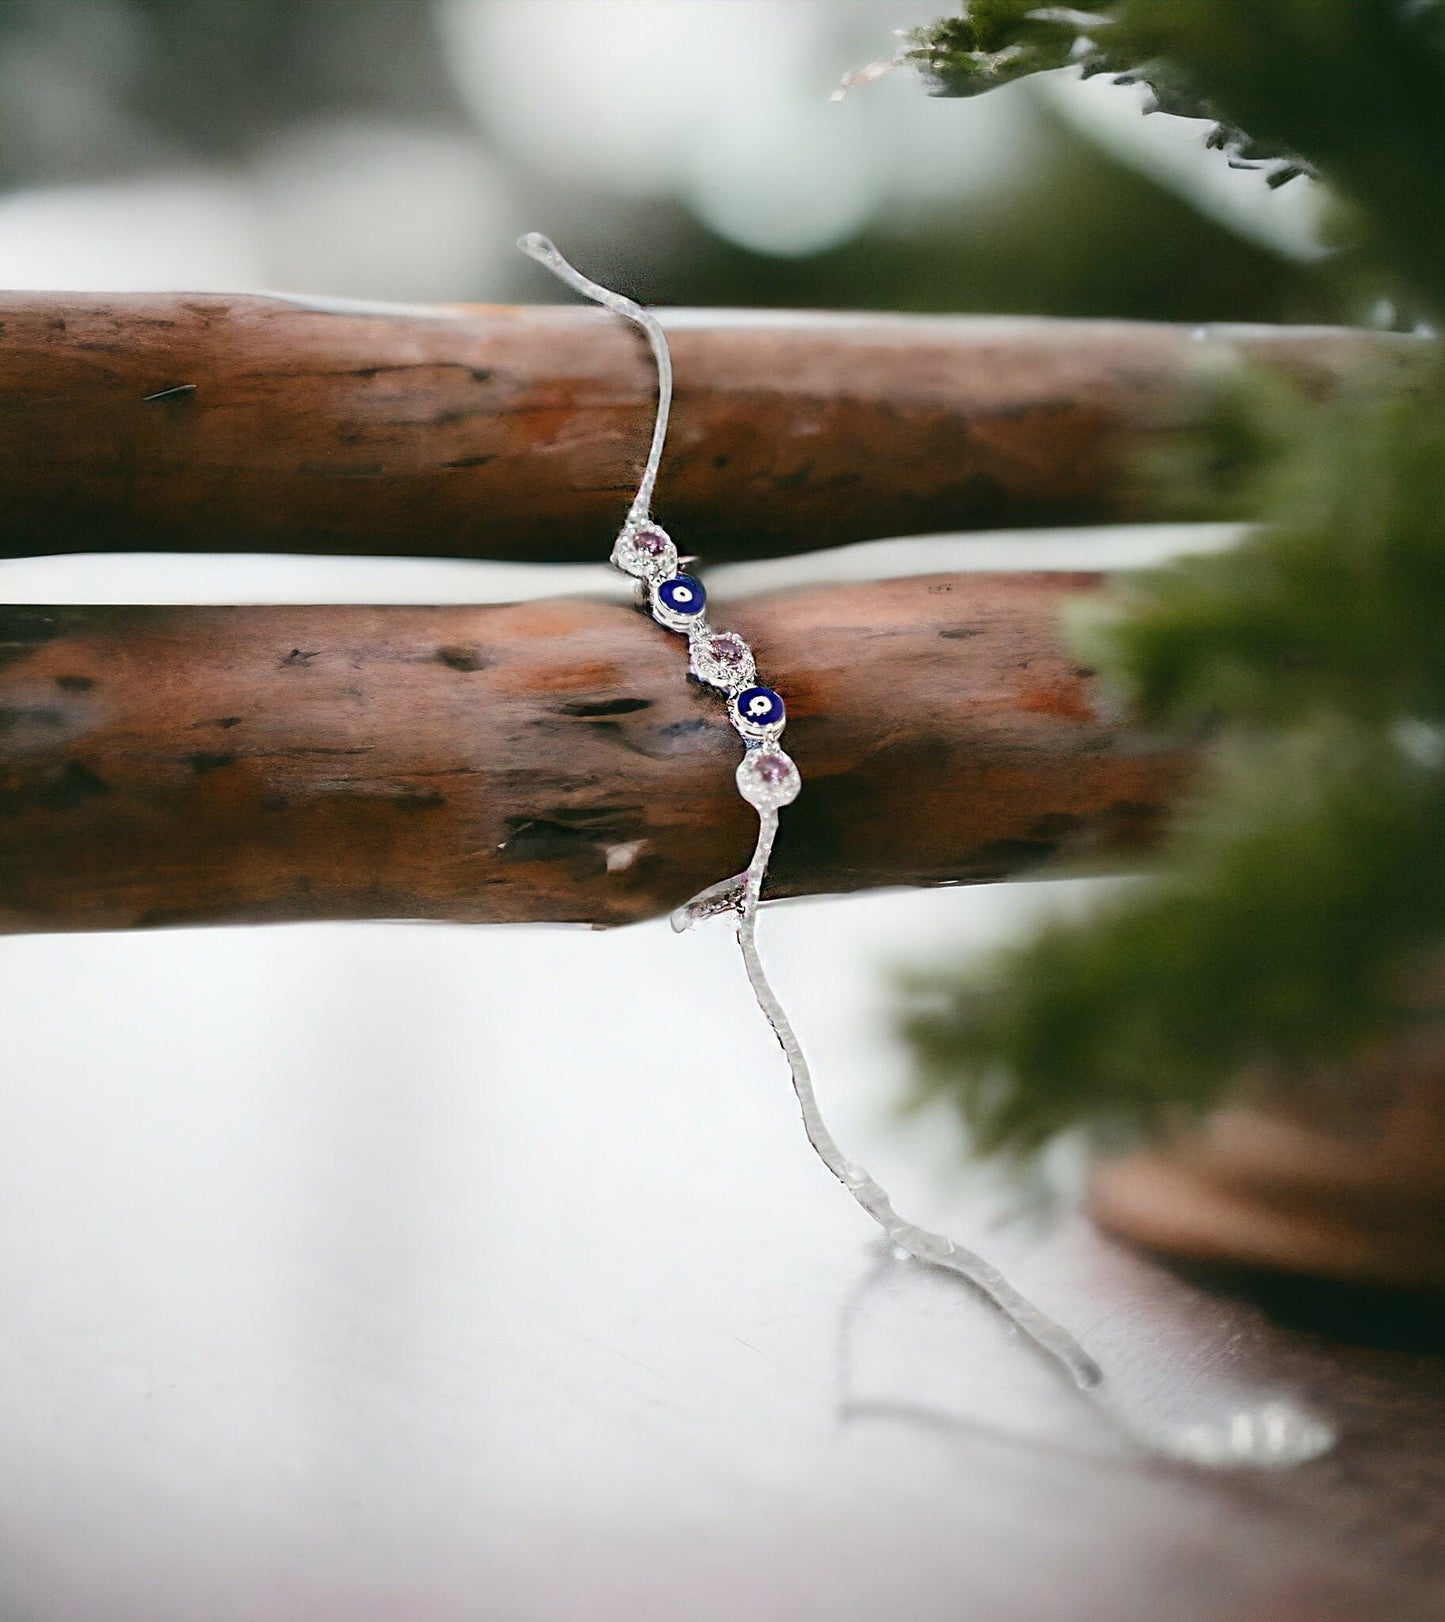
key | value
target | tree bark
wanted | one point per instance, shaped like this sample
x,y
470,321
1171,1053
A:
x,y
150,422
545,760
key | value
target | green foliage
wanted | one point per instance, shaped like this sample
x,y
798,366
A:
x,y
1338,605
1303,883
1352,88
1292,895
994,42
991,43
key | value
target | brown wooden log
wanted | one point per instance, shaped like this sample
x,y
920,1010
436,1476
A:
x,y
546,760
149,422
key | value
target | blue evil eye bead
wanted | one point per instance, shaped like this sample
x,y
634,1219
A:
x,y
758,711
679,601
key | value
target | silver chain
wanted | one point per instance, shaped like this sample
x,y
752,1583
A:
x,y
768,779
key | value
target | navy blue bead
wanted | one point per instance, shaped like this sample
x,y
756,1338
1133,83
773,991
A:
x,y
759,707
682,595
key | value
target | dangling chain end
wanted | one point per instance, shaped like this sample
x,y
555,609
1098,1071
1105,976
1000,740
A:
x,y
538,247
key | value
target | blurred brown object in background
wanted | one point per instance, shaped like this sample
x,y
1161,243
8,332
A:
x,y
1337,1177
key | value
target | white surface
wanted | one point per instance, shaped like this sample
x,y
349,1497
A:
x,y
145,577
412,1271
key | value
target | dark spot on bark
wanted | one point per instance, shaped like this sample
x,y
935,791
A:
x,y
463,658
75,684
330,470
164,918
23,629
812,840
792,481
1085,672
933,753
958,633
677,737
298,657
74,785
440,419
588,708
533,839
592,816
1006,856
980,496
479,374
721,460
203,761
274,802
23,623
1054,827
470,461
59,788
419,799
179,394
229,721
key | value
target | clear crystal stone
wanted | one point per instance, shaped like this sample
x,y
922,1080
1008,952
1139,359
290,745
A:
x,y
645,550
767,778
722,659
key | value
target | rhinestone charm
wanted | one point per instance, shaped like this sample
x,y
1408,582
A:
x,y
678,602
645,551
758,711
767,779
722,660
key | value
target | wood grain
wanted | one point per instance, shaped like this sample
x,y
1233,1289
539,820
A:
x,y
546,760
154,422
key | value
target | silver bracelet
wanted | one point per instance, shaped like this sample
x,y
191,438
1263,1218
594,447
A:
x,y
1266,1430
768,780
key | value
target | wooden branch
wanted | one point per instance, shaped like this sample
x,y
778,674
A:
x,y
545,760
202,423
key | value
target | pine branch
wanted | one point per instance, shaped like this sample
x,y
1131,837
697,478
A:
x,y
1336,605
1292,898
996,42
1304,880
1350,89
1303,887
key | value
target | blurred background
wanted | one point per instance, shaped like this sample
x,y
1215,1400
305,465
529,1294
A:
x,y
355,1271
687,149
